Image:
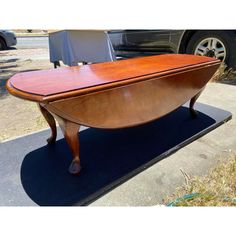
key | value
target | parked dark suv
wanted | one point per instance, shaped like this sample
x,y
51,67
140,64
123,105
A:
x,y
214,43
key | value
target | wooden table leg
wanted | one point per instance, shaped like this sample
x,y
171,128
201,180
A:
x,y
71,134
51,122
193,112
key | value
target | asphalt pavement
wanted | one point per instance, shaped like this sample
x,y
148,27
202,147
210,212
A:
x,y
32,42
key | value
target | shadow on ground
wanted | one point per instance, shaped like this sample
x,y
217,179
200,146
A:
x,y
3,90
229,82
4,68
8,61
9,48
109,157
229,78
12,48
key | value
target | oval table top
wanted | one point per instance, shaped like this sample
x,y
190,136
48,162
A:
x,y
81,79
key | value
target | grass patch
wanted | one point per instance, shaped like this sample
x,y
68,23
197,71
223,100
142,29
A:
x,y
218,188
221,73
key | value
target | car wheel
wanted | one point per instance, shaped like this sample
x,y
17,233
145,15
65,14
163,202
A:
x,y
3,45
218,44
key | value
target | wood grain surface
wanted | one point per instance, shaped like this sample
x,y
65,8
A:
x,y
88,78
133,104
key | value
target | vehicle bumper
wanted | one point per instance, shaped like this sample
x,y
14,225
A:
x,y
11,39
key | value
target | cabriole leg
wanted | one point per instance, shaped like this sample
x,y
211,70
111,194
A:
x,y
70,131
192,103
51,122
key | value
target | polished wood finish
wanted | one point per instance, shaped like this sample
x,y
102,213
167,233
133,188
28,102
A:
x,y
21,94
113,94
193,100
133,104
70,131
51,122
49,85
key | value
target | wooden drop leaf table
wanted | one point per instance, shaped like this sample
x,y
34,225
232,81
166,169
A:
x,y
113,95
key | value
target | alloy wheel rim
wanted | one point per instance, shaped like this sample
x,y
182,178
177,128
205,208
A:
x,y
212,47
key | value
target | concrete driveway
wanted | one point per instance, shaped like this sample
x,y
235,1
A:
x,y
32,42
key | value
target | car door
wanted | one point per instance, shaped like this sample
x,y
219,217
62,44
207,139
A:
x,y
141,42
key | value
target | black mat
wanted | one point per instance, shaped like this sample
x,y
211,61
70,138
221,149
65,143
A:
x,y
33,173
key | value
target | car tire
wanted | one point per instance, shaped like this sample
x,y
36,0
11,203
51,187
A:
x,y
219,44
3,45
